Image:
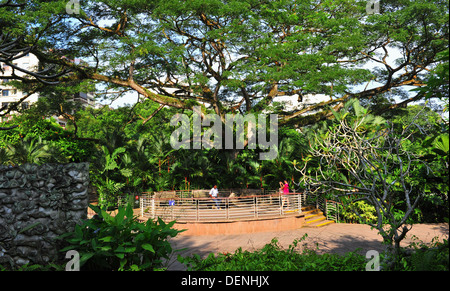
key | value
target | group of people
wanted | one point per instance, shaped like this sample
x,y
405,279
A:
x,y
284,189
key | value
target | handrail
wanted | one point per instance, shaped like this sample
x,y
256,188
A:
x,y
332,212
224,197
206,209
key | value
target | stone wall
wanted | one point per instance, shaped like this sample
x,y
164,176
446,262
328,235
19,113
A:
x,y
37,204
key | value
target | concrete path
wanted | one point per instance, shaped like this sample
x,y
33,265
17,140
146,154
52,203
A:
x,y
334,238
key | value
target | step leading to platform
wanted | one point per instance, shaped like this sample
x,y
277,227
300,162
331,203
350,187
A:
x,y
314,217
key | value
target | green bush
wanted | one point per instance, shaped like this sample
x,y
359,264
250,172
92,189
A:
x,y
365,210
421,257
416,257
273,258
121,242
35,267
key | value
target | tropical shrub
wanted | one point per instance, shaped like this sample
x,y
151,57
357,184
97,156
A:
x,y
273,258
419,256
121,242
366,213
34,267
434,258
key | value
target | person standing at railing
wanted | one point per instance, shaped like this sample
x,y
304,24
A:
x,y
285,198
214,194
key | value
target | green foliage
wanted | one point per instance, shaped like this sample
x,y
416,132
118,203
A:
x,y
225,51
29,150
217,52
431,258
360,156
419,256
430,144
121,242
273,258
108,189
35,267
57,142
367,213
416,257
437,83
254,47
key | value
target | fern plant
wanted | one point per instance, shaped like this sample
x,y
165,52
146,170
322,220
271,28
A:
x,y
107,187
29,150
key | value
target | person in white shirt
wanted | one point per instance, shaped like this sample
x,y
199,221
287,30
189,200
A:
x,y
213,194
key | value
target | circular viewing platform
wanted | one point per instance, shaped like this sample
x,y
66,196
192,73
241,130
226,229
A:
x,y
230,213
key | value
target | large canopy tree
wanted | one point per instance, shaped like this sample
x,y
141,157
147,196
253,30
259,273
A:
x,y
238,55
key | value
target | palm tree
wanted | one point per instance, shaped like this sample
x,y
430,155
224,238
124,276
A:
x,y
180,169
254,176
190,168
111,175
139,164
290,149
4,156
29,150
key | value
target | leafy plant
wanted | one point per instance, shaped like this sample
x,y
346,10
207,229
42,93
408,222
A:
x,y
29,150
441,144
273,258
120,241
107,187
419,256
431,258
358,212
34,267
4,156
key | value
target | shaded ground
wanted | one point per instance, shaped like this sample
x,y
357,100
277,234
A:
x,y
335,238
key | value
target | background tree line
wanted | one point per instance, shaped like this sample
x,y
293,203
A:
x,y
129,156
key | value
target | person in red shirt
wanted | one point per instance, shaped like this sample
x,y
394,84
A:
x,y
285,198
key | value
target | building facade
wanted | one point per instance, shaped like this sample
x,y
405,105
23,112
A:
x,y
9,95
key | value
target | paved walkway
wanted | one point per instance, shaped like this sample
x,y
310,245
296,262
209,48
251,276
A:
x,y
335,238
